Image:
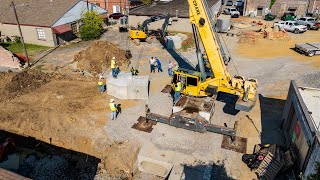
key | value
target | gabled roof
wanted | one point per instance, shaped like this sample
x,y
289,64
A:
x,y
35,12
167,7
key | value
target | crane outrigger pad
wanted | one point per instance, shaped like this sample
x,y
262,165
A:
x,y
193,114
245,105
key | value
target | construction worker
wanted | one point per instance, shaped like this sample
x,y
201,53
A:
x,y
170,67
101,84
113,108
152,63
175,67
177,89
159,67
113,67
134,72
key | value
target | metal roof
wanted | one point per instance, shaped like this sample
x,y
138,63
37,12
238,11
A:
x,y
311,98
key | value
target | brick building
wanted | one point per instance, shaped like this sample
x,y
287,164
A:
x,y
113,6
314,6
256,7
261,7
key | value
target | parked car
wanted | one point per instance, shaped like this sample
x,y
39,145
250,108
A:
x,y
229,3
232,11
310,22
117,15
291,26
239,3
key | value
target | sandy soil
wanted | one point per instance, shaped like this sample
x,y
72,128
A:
x,y
264,48
61,111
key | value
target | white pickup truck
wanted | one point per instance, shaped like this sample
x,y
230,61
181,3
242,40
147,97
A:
x,y
291,26
232,11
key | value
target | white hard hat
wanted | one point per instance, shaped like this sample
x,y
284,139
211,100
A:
x,y
111,100
113,58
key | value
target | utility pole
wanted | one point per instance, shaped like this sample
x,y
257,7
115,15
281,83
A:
x,y
87,5
22,39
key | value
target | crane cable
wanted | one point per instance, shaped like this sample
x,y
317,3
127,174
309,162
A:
x,y
235,67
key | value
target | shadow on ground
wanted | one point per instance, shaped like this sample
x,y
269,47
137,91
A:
x,y
271,113
230,101
182,61
206,171
39,160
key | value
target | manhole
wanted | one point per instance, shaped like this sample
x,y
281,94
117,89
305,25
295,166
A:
x,y
167,89
239,145
143,125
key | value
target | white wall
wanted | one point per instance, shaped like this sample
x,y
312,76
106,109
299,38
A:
x,y
29,33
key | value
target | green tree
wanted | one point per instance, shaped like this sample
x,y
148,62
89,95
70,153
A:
x,y
316,175
92,26
272,3
147,2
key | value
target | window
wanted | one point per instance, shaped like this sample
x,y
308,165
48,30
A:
x,y
302,19
311,20
98,4
74,28
41,34
191,81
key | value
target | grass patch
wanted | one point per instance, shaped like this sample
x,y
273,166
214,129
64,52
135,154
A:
x,y
186,44
17,48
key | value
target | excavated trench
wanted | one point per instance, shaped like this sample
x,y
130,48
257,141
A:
x,y
39,160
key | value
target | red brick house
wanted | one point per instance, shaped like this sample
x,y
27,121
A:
x,y
114,6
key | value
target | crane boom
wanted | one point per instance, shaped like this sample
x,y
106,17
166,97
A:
x,y
200,18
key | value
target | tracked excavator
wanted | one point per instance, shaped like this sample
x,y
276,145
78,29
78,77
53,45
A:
x,y
201,87
142,33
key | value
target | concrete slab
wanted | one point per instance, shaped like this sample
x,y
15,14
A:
x,y
126,86
155,167
173,42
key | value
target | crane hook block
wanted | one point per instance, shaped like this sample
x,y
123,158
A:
x,y
202,21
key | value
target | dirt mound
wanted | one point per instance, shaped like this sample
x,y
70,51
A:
x,y
120,159
267,33
22,83
97,57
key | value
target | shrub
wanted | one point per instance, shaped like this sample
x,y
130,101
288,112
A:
x,y
92,26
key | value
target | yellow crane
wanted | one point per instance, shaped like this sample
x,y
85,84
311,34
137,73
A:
x,y
212,76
